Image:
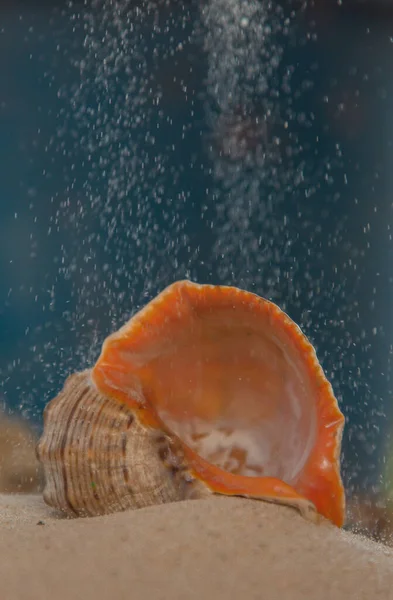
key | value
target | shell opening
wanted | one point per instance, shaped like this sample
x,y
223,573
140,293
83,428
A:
x,y
232,389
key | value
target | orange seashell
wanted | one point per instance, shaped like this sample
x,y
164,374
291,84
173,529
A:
x,y
227,382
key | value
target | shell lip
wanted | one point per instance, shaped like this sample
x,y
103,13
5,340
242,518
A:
x,y
320,480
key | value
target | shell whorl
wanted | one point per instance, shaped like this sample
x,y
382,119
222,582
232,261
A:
x,y
99,458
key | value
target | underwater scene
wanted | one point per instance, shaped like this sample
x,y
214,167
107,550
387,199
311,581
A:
x,y
242,145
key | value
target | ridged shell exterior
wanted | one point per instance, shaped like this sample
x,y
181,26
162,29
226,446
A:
x,y
98,458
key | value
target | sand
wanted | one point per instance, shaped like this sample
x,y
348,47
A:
x,y
220,548
19,468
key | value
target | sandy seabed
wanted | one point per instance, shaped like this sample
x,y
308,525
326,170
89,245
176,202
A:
x,y
214,549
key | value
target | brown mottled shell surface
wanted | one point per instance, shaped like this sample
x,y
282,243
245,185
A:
x,y
98,458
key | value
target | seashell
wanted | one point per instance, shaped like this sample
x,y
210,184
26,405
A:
x,y
207,389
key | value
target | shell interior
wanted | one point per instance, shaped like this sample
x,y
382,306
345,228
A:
x,y
231,387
